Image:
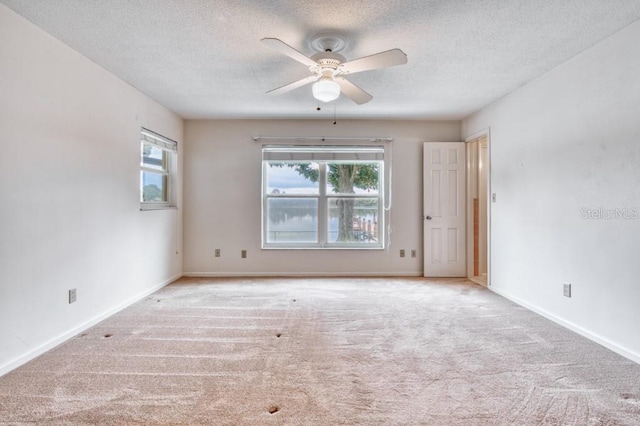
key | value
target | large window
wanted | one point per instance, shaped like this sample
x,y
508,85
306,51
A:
x,y
322,197
157,159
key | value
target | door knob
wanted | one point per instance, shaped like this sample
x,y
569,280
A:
x,y
428,217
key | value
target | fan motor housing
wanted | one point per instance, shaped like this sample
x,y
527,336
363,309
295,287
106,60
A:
x,y
329,59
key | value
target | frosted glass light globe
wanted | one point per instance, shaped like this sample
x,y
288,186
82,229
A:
x,y
326,90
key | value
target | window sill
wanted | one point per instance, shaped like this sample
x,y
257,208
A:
x,y
322,248
145,208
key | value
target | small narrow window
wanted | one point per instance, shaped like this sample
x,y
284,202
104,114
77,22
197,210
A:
x,y
157,158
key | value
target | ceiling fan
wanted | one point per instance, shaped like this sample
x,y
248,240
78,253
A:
x,y
329,68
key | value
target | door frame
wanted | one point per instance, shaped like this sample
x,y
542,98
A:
x,y
484,132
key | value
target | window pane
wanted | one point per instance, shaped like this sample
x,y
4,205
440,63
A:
x,y
153,157
292,178
292,220
353,178
154,187
353,220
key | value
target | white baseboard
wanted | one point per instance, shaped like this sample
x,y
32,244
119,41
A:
x,y
299,274
17,362
620,350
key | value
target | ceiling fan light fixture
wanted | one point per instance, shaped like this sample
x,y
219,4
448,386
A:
x,y
326,90
328,69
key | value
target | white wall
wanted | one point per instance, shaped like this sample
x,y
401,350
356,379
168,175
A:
x,y
567,141
69,191
222,198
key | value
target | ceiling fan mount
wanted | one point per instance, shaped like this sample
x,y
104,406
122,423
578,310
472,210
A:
x,y
328,43
329,68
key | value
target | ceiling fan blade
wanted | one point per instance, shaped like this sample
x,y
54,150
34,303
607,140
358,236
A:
x,y
289,87
282,47
352,91
385,59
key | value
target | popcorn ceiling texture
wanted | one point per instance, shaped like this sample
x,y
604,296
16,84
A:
x,y
204,59
325,352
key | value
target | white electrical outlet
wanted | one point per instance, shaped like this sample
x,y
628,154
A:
x,y
72,295
566,289
217,253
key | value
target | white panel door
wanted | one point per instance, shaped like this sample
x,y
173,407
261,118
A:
x,y
444,209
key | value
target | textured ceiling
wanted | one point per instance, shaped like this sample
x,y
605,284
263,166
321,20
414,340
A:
x,y
204,59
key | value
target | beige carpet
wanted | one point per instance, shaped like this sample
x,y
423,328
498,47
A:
x,y
324,352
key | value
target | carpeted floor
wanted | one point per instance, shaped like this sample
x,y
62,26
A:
x,y
324,352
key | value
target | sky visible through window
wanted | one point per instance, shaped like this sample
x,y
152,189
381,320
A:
x,y
286,180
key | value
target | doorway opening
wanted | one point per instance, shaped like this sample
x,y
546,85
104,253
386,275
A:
x,y
478,209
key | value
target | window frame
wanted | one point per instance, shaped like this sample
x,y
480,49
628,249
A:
x,y
324,156
166,171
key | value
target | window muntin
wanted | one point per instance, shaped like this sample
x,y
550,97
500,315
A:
x,y
156,157
323,197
